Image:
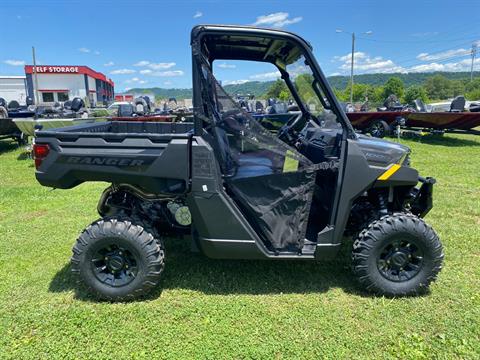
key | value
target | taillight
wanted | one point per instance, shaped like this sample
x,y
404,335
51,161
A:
x,y
40,152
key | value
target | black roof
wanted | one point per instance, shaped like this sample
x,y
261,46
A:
x,y
247,43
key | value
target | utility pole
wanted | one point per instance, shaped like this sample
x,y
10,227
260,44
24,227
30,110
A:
x,y
351,68
474,53
35,91
352,58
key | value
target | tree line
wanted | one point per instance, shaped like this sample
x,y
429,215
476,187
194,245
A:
x,y
434,88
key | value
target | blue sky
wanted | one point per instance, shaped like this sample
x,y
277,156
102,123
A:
x,y
146,43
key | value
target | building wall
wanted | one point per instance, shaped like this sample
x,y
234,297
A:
x,y
13,88
74,83
56,81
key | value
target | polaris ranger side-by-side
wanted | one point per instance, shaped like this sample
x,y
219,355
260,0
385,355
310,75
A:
x,y
238,190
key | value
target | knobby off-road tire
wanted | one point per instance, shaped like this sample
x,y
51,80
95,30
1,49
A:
x,y
397,255
118,259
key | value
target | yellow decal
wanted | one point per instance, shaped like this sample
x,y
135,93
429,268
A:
x,y
392,170
290,163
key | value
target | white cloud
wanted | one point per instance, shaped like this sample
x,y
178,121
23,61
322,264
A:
x,y
462,65
145,71
425,34
234,82
110,63
167,83
155,66
161,66
135,80
265,76
84,50
278,20
15,62
169,73
364,63
335,74
122,71
97,52
442,55
127,88
197,15
226,66
142,63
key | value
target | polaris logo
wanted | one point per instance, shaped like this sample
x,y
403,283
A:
x,y
106,161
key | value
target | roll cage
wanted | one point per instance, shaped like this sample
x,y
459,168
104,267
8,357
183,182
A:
x,y
280,48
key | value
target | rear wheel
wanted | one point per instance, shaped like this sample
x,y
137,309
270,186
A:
x,y
379,129
397,255
118,259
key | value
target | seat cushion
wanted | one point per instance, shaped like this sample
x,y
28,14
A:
x,y
251,165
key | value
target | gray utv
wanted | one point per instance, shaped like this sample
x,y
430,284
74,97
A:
x,y
240,191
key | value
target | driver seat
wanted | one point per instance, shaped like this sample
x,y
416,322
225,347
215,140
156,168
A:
x,y
242,165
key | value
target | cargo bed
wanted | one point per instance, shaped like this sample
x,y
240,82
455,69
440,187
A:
x,y
137,153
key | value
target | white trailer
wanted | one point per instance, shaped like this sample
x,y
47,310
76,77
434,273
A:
x,y
13,88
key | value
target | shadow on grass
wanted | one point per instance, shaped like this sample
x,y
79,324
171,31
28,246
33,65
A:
x,y
193,271
26,155
7,145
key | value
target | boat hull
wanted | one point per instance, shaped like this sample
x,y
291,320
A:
x,y
8,127
423,120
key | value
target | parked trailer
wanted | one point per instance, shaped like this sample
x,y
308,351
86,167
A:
x,y
381,123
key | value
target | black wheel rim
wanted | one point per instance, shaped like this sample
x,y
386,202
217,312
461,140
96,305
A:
x,y
114,265
400,260
377,130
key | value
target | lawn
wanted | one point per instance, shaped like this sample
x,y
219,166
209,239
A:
x,y
212,309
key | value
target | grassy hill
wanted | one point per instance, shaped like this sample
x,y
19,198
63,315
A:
x,y
258,88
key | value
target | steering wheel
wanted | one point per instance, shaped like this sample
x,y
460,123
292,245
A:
x,y
287,132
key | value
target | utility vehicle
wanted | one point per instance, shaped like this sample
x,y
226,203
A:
x,y
237,190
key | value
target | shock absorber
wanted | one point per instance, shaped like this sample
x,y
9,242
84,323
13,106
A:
x,y
382,204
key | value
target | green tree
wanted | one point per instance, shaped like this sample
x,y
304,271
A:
x,y
276,89
394,86
473,95
361,92
284,95
457,87
415,92
438,87
472,85
378,97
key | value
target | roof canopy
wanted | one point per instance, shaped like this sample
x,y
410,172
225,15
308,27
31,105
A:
x,y
247,43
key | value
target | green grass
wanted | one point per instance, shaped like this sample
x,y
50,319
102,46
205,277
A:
x,y
234,309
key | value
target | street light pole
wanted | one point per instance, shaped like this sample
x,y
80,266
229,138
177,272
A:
x,y
352,58
351,69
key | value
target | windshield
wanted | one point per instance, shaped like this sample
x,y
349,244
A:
x,y
307,87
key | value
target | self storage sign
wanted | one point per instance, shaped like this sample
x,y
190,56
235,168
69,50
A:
x,y
57,69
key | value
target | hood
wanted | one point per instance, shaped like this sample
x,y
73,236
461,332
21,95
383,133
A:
x,y
382,152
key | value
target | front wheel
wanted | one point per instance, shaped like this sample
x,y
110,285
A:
x,y
398,255
118,259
